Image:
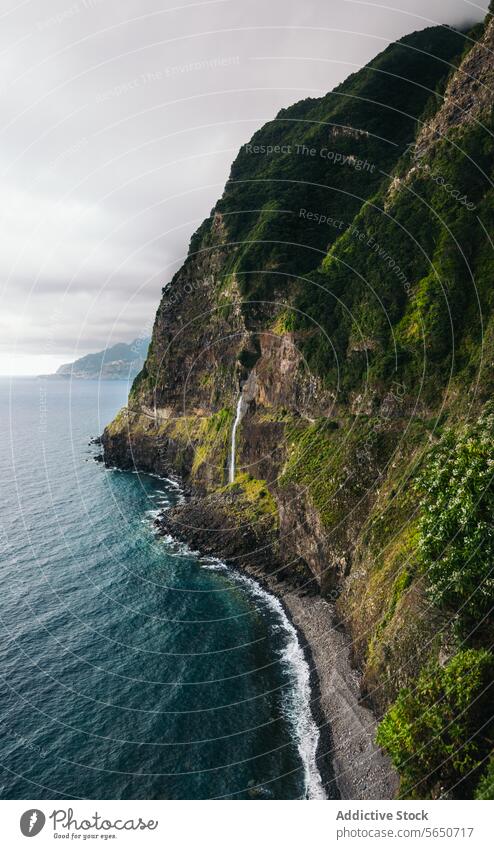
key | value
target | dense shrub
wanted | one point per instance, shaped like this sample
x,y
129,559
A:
x,y
456,533
485,789
437,734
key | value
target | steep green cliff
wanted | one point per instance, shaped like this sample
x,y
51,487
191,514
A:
x,y
343,286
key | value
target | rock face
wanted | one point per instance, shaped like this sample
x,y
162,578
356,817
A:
x,y
339,303
191,366
223,525
468,95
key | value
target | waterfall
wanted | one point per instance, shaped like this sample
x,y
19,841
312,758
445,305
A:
x,y
240,412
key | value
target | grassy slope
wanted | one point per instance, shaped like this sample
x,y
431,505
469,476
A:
x,y
382,103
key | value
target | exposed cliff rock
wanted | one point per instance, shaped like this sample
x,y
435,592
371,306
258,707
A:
x,y
353,335
468,95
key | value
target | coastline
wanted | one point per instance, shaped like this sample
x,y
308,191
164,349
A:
x,y
350,764
361,770
322,763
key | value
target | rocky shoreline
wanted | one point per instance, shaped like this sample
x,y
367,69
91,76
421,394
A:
x,y
361,769
350,763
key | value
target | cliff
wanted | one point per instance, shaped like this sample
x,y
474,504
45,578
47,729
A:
x,y
339,298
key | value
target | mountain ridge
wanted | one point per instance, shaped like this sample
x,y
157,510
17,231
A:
x,y
122,361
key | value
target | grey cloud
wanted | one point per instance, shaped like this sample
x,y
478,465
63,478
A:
x,y
120,119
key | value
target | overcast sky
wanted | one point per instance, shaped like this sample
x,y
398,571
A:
x,y
119,120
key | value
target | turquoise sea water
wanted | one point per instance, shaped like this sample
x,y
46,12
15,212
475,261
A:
x,y
130,666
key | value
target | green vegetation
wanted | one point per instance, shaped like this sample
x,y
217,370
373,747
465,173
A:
x,y
316,462
409,274
253,501
456,527
333,461
285,322
325,156
485,789
211,440
401,583
439,732
119,423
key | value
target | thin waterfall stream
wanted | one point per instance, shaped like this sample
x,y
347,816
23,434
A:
x,y
238,418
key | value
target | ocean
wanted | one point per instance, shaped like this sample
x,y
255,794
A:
x,y
131,667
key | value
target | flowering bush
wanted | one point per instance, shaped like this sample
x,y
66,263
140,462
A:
x,y
456,529
485,789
